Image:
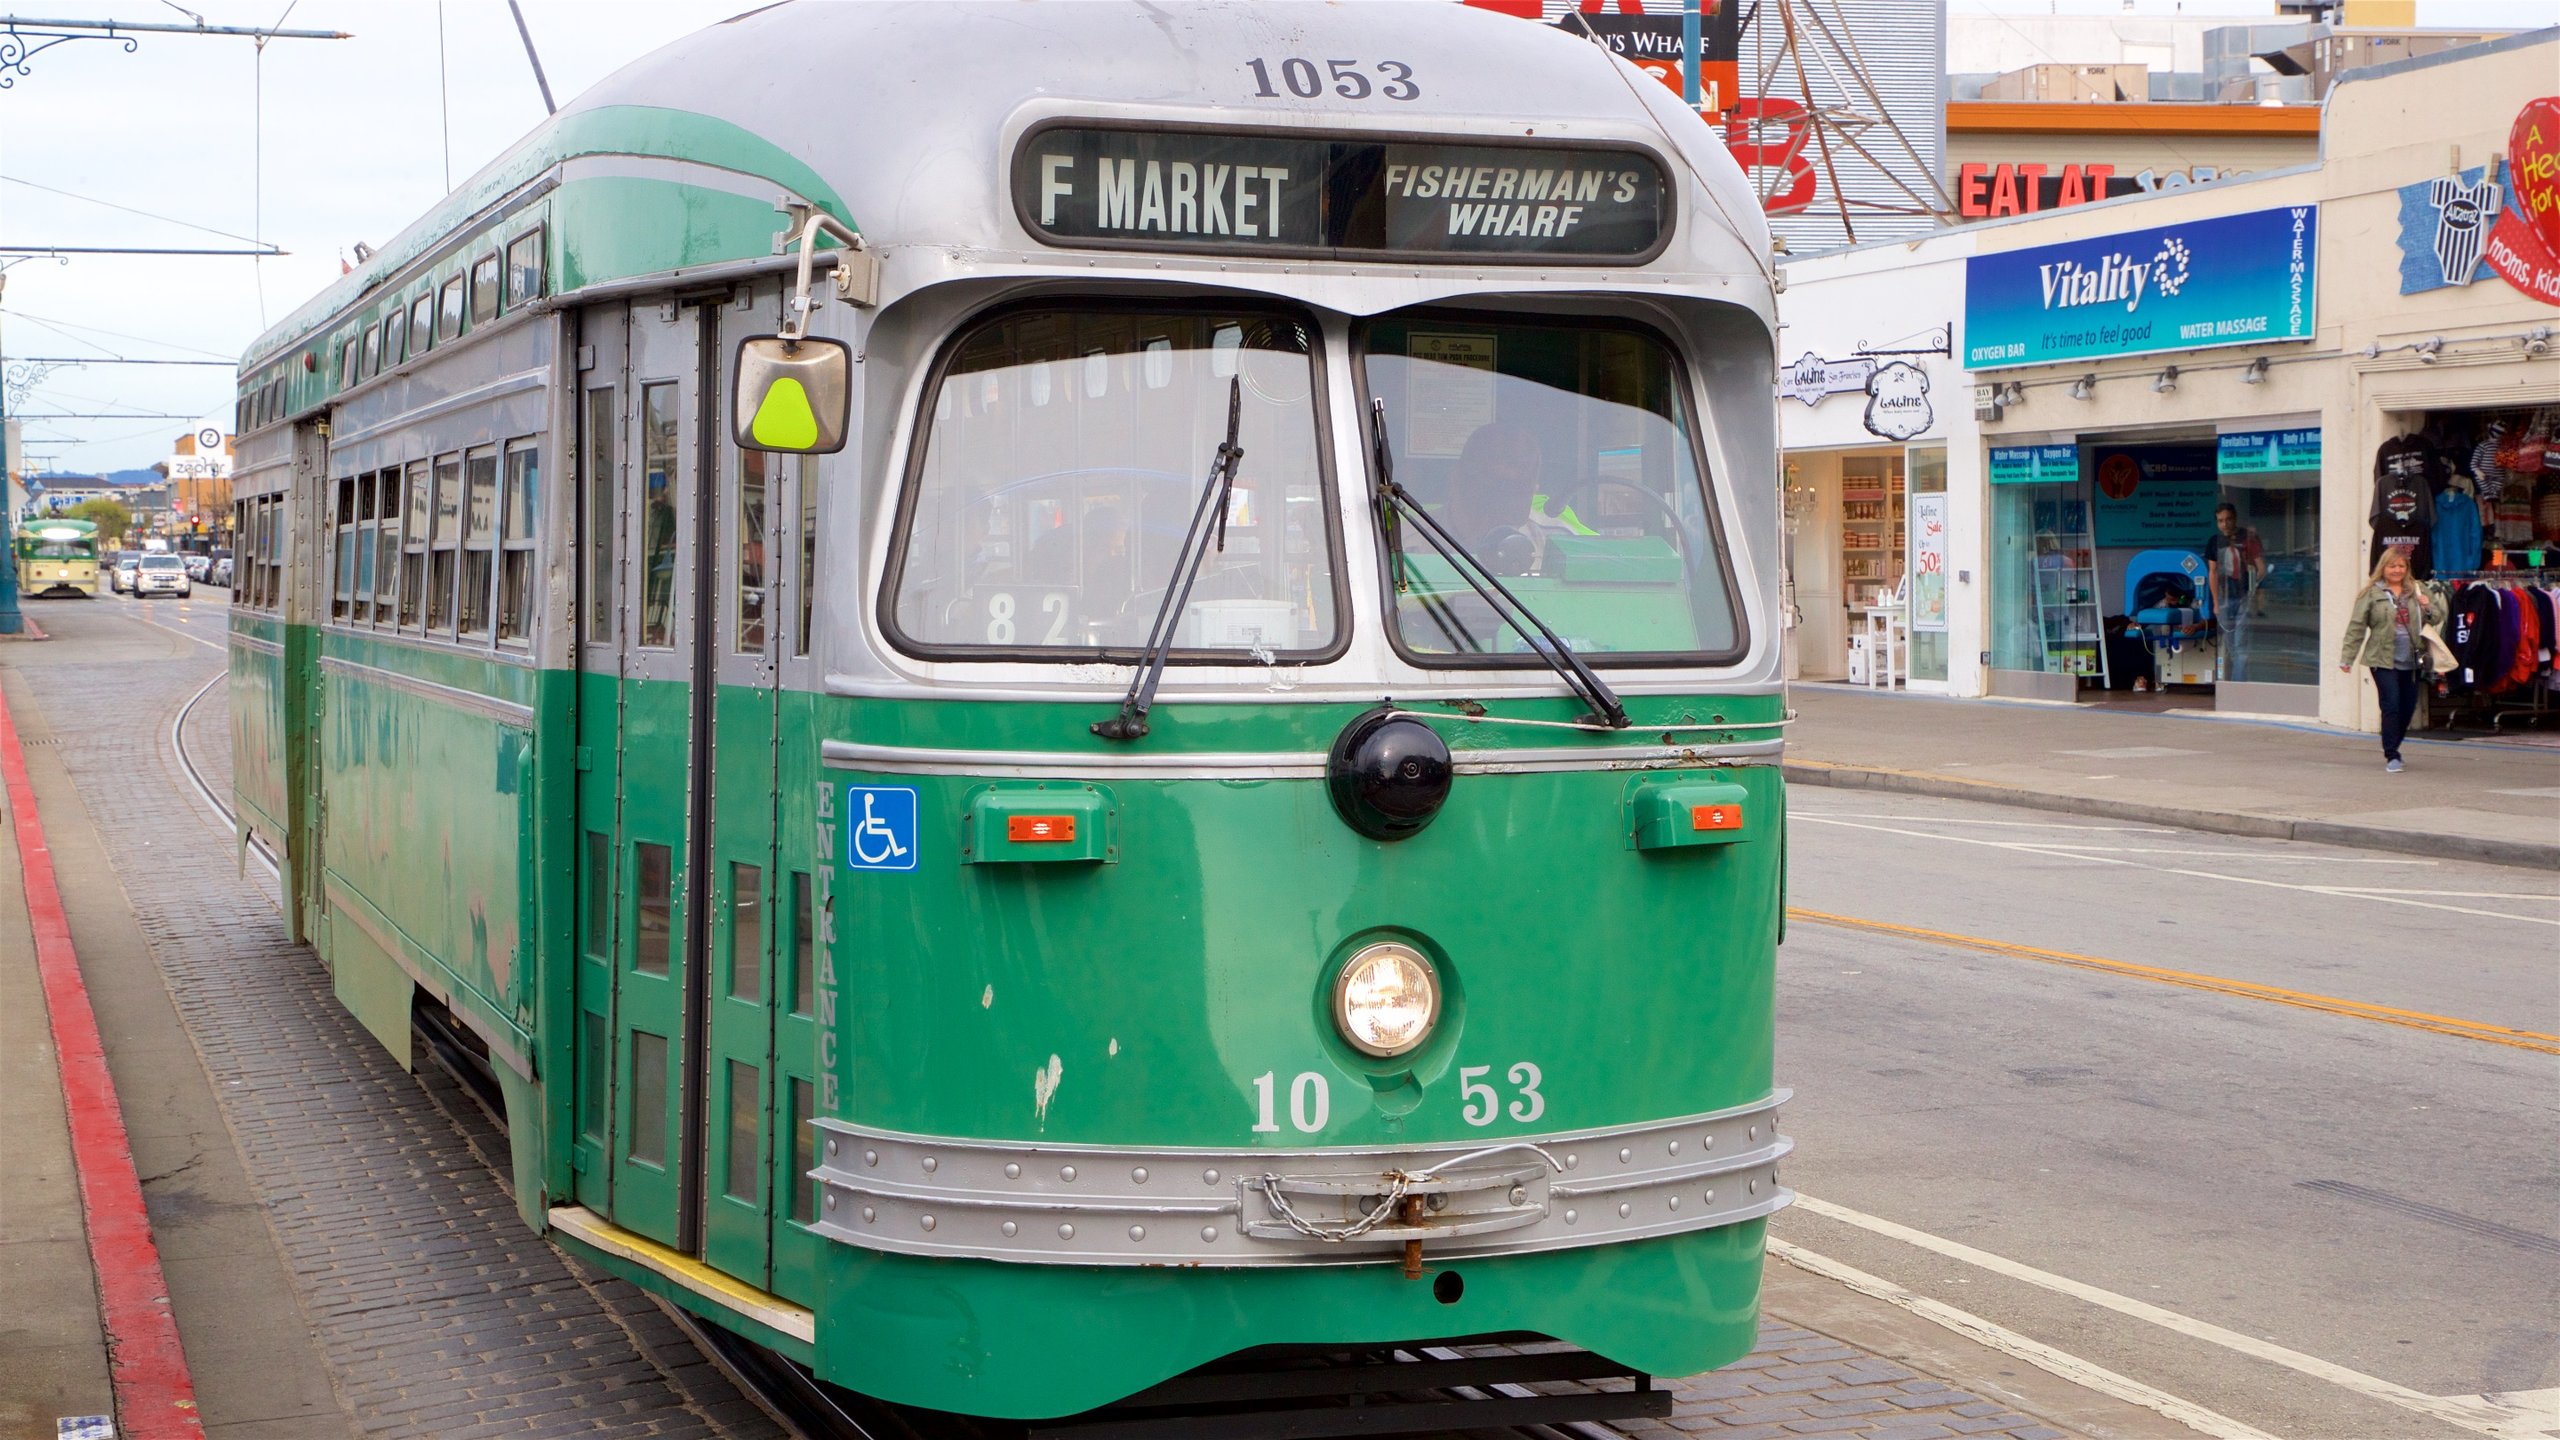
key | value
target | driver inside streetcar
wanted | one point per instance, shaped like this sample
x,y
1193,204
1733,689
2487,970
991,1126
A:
x,y
1495,505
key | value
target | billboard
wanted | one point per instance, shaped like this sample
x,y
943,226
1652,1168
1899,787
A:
x,y
1837,111
2243,279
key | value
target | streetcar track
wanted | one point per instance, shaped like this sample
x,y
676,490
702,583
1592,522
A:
x,y
2533,1040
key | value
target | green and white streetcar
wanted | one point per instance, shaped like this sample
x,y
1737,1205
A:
x,y
1064,691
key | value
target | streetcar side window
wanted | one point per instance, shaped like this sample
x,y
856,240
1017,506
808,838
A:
x,y
747,621
1564,455
804,969
515,539
343,578
367,527
389,506
602,529
657,478
347,364
413,545
808,584
648,1098
479,539
372,352
484,289
442,542
395,333
449,311
655,868
804,1151
1062,459
524,268
422,323
746,932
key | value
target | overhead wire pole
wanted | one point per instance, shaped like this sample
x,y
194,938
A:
x,y
527,36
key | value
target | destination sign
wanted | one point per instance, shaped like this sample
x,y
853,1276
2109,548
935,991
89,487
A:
x,y
1209,190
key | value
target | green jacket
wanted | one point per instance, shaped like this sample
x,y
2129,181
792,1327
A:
x,y
2368,638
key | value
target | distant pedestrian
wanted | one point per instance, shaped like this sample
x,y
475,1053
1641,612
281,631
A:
x,y
2383,635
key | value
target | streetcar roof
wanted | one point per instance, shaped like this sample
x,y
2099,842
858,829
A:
x,y
902,117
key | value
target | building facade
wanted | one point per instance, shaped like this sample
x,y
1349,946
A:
x,y
2121,370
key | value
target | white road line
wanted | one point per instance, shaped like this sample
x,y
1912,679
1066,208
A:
x,y
2486,1415
2548,895
2086,1374
183,634
2252,855
2016,824
2034,847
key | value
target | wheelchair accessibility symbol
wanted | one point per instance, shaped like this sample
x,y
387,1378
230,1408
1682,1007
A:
x,y
879,828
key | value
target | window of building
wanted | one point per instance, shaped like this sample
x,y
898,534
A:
x,y
484,289
603,525
479,539
515,539
449,310
524,268
444,542
413,543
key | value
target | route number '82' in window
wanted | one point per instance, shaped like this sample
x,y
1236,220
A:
x,y
1349,79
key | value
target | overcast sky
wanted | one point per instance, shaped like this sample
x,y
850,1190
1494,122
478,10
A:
x,y
323,143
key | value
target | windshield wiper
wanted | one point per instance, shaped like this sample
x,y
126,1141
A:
x,y
1394,500
1208,524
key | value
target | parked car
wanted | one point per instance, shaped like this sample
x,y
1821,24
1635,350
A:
x,y
197,562
127,562
161,574
220,572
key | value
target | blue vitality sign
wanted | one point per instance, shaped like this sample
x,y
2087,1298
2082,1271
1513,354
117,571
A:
x,y
2228,280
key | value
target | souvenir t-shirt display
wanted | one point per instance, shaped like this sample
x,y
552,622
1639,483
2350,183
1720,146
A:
x,y
2404,510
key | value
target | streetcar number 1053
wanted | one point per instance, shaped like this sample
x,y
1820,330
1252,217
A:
x,y
1346,77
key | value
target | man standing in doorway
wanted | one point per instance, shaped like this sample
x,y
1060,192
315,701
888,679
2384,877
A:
x,y
2238,564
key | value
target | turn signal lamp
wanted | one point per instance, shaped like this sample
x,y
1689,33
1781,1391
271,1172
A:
x,y
1386,1000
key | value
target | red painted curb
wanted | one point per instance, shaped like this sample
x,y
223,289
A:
x,y
155,1394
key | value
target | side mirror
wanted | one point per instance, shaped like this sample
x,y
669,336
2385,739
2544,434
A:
x,y
792,396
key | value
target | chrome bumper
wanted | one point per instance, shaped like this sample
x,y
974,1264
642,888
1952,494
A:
x,y
1106,1205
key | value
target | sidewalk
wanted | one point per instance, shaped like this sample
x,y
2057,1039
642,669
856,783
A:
x,y
2476,799
50,1337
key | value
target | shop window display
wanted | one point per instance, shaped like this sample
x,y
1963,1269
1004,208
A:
x,y
2491,481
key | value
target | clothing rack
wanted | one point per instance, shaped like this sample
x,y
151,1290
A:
x,y
2532,703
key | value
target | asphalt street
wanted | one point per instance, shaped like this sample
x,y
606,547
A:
x,y
2347,1188
2271,1129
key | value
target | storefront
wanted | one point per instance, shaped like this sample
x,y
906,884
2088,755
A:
x,y
2193,417
1865,411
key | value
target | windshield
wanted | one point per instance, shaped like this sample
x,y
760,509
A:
x,y
61,549
1065,452
163,562
1560,454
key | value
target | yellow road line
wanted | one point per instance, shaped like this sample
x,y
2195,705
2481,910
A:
x,y
2303,1000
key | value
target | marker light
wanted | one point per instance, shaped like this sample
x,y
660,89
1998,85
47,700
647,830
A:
x,y
1386,1000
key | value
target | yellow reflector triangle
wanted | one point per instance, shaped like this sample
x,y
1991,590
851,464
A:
x,y
784,420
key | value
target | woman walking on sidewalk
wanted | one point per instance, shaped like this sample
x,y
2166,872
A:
x,y
2384,634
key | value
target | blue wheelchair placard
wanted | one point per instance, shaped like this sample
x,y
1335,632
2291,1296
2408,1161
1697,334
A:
x,y
879,828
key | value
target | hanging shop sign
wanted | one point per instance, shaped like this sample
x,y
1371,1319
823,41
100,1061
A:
x,y
1898,401
1813,379
2034,464
2155,495
1929,560
2524,246
2228,280
2444,225
2267,452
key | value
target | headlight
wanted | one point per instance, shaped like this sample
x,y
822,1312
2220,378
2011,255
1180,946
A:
x,y
1386,1000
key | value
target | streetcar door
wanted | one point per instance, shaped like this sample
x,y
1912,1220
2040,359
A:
x,y
604,411
655,1113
